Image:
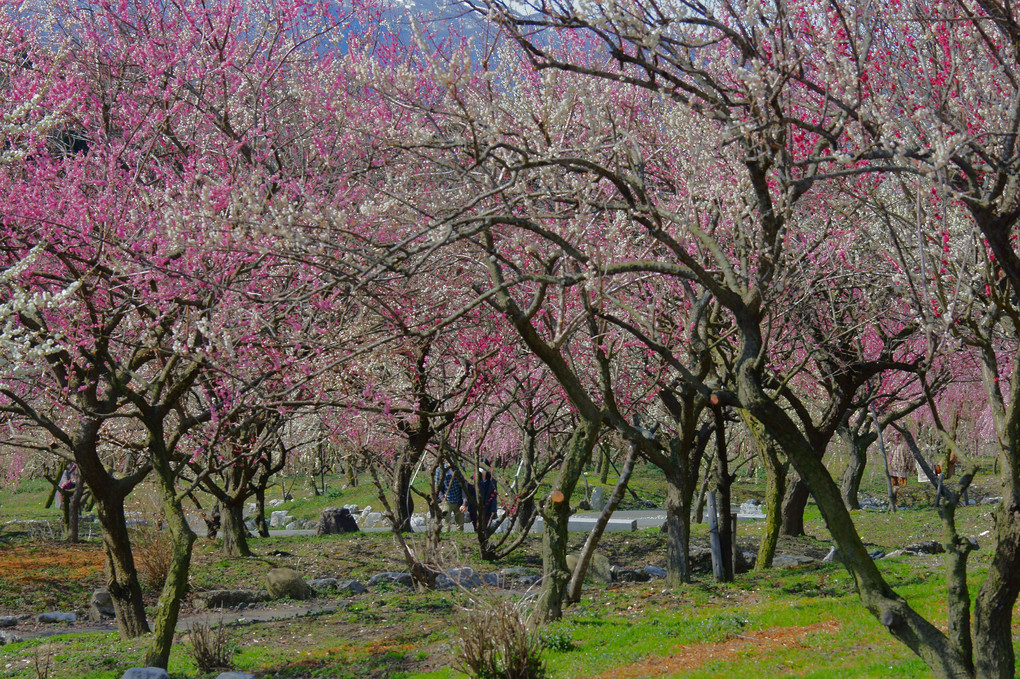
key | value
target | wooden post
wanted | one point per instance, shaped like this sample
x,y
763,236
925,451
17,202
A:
x,y
718,569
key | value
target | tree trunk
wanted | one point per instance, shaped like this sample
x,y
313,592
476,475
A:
x,y
775,485
902,621
577,578
555,513
526,512
402,505
699,507
678,531
857,452
235,533
723,481
605,460
260,511
121,576
794,503
176,584
993,608
73,503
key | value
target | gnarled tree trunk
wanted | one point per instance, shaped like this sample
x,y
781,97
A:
x,y
555,511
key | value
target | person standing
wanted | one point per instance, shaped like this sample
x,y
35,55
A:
x,y
451,499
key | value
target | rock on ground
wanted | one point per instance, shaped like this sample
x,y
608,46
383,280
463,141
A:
x,y
227,598
145,673
392,579
926,547
8,637
101,606
56,616
335,520
286,582
599,569
655,571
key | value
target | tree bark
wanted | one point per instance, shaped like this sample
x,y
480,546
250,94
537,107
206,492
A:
x,y
261,526
678,531
775,485
857,459
794,503
176,584
526,513
723,481
555,511
235,533
121,576
402,472
604,465
73,504
577,578
993,608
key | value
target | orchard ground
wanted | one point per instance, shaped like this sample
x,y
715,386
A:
x,y
802,621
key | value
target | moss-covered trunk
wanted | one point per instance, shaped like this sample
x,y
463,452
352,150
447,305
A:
x,y
902,621
176,584
775,486
555,510
993,608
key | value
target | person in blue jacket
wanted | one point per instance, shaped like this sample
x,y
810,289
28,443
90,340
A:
x,y
451,498
488,495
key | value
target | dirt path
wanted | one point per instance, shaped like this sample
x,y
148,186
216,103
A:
x,y
692,656
32,630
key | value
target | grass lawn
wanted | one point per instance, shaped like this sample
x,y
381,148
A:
x,y
803,621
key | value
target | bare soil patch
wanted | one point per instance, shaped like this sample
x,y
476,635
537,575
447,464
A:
x,y
692,656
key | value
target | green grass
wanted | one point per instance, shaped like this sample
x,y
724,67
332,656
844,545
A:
x,y
24,502
804,621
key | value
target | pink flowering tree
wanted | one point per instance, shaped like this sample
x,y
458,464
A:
x,y
806,97
140,239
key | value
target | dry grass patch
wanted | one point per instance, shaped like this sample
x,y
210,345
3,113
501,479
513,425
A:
x,y
44,562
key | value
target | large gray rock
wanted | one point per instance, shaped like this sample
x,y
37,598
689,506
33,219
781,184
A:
x,y
227,598
145,673
599,569
791,560
101,606
352,587
459,577
404,579
286,582
336,520
56,616
8,620
278,519
323,584
8,637
598,499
